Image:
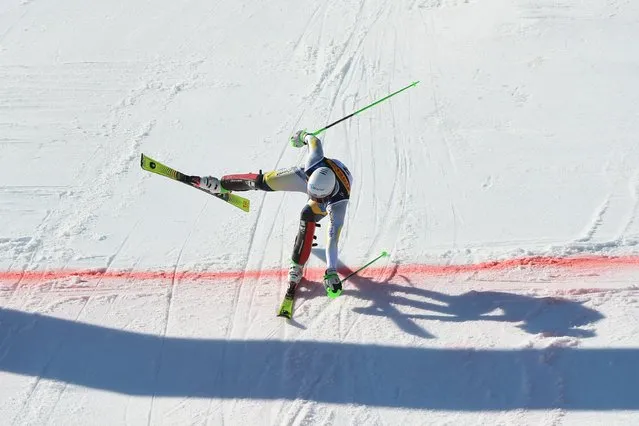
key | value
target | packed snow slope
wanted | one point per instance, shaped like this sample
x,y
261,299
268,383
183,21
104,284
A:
x,y
505,186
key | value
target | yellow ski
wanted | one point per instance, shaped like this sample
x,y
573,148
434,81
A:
x,y
286,308
153,166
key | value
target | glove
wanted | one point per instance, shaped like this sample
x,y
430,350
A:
x,y
332,283
297,140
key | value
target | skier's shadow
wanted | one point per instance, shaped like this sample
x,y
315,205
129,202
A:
x,y
551,316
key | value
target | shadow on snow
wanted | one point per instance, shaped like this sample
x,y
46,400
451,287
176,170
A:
x,y
389,376
550,316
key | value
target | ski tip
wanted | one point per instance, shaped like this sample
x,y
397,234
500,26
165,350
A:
x,y
385,253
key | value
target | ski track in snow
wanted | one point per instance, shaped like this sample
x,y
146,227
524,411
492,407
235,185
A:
x,y
500,118
169,302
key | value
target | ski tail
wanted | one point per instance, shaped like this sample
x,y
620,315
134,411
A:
x,y
286,308
154,166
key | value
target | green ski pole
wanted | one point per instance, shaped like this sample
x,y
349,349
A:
x,y
337,293
317,132
383,254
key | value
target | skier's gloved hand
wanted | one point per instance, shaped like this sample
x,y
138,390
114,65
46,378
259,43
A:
x,y
297,140
332,283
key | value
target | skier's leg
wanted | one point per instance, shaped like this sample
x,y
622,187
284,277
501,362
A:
x,y
311,214
291,179
245,182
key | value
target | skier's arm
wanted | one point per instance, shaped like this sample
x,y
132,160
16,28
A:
x,y
336,215
315,151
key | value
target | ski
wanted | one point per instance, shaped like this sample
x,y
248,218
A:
x,y
286,308
153,166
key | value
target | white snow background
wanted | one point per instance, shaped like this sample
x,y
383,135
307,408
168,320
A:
x,y
505,186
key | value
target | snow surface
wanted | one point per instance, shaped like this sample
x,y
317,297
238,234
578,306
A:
x,y
505,186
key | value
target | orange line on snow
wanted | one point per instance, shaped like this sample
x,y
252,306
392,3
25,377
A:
x,y
535,262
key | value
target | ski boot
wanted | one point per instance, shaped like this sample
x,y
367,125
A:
x,y
211,184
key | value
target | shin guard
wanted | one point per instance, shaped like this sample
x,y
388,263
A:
x,y
245,182
303,242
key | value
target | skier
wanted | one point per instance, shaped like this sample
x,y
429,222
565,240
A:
x,y
326,181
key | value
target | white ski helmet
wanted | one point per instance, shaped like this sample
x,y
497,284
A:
x,y
321,184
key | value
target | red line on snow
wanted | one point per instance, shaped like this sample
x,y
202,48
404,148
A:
x,y
530,263
534,262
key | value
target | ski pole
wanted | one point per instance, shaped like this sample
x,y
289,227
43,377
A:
x,y
333,294
383,254
317,132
